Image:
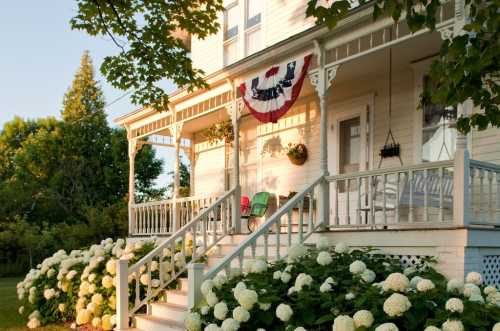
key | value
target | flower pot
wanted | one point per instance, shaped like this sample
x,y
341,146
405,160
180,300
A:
x,y
299,159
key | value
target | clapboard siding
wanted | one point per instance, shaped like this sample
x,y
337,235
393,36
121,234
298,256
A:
x,y
485,145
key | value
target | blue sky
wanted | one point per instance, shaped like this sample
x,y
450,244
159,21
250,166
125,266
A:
x,y
39,55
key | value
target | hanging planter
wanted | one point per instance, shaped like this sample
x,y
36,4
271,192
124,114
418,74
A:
x,y
222,131
297,153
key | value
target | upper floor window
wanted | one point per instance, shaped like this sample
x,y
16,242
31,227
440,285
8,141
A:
x,y
438,131
253,34
231,19
253,13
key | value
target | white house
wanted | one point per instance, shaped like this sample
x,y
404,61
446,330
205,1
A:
x,y
440,197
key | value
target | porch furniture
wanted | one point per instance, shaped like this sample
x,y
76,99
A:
x,y
258,208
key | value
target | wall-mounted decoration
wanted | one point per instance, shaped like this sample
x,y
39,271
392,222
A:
x,y
297,153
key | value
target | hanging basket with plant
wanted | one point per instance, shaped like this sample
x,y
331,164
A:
x,y
297,153
220,131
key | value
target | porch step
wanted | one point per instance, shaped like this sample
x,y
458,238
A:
x,y
155,323
171,311
177,297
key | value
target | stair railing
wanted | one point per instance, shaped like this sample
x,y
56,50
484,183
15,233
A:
x,y
268,236
199,236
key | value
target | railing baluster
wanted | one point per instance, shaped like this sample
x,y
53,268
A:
x,y
148,293
289,228
336,207
278,231
472,190
371,195
411,207
497,219
384,197
347,198
253,247
490,197
441,194
358,209
481,195
204,231
397,196
310,213
426,196
301,220
266,246
137,287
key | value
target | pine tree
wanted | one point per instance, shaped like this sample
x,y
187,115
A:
x,y
84,99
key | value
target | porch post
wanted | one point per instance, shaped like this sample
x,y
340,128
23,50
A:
x,y
177,130
461,195
236,108
192,161
322,78
132,150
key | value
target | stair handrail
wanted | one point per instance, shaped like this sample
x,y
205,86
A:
x,y
296,201
201,221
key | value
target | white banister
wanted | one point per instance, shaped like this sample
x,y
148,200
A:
x,y
122,295
484,202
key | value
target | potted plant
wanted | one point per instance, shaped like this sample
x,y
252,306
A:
x,y
220,131
297,153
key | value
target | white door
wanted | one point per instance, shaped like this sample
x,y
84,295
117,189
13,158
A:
x,y
349,144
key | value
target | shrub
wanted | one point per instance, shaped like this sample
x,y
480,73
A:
x,y
347,290
80,286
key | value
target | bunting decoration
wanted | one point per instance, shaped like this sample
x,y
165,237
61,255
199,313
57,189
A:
x,y
272,93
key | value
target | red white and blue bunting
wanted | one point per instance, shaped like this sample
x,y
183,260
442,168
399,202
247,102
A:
x,y
269,95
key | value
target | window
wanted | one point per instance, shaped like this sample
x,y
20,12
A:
x,y
253,13
231,18
253,33
230,52
438,132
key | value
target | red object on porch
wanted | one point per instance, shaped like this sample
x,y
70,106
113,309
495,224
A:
x,y
273,92
244,205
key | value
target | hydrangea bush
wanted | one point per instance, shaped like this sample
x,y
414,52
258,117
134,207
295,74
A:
x,y
79,287
339,289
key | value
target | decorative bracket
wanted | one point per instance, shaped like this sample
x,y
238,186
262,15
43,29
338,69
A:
x,y
322,78
235,108
134,145
177,131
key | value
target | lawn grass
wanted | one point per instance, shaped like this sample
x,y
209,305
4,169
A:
x,y
10,320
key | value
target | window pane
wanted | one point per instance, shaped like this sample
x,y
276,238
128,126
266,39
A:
x,y
254,10
350,145
253,41
230,52
231,22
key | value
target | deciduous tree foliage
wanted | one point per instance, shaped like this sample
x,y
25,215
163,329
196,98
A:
x,y
149,51
468,65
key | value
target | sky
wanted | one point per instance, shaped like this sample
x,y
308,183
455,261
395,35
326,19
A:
x,y
39,54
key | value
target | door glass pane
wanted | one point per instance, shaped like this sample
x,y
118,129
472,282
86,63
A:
x,y
350,145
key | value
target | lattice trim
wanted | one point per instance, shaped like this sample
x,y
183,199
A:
x,y
491,269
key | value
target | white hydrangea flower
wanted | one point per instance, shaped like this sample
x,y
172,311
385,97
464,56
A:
x,y
259,266
474,278
300,328
387,327
238,289
21,310
341,248
193,322
455,286
363,318
488,290
324,258
212,327
219,280
144,279
296,251
285,277
247,265
425,285
432,328
83,317
248,298
454,305
107,281
325,287
111,266
475,297
49,293
70,275
409,271
230,324
368,276
220,311
284,312
323,243
96,322
211,299
396,305
357,267
496,327
343,323
277,275
471,289
350,296
302,280
33,323
452,325
240,314
264,306
414,281
206,287
396,282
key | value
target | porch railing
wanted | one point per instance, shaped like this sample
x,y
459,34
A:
x,y
165,216
404,196
484,192
196,236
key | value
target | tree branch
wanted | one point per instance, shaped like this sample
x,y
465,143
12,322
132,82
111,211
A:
x,y
106,26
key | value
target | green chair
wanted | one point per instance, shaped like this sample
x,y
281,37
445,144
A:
x,y
258,208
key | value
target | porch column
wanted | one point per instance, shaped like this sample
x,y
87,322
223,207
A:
x,y
461,180
132,151
192,161
235,113
321,79
177,130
